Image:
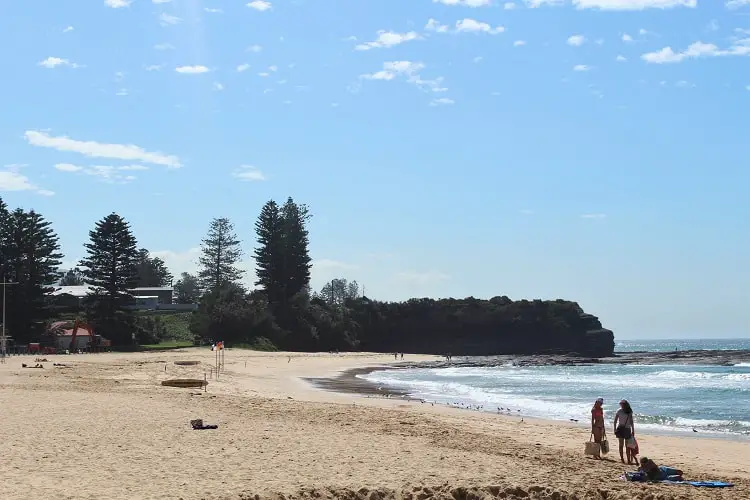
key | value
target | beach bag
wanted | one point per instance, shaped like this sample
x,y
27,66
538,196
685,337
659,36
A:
x,y
591,447
632,443
604,445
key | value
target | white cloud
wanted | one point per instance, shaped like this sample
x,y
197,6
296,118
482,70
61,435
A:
x,y
161,1
627,38
117,4
218,86
248,173
260,5
464,26
388,39
410,70
168,20
533,4
433,25
466,3
264,74
68,29
509,6
164,46
736,4
633,4
642,32
11,179
54,62
473,26
519,43
213,11
127,152
581,67
594,216
747,88
153,67
67,167
192,70
697,50
273,68
243,67
106,173
576,40
254,48
621,59
442,101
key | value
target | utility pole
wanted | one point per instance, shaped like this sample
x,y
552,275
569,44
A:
x,y
4,339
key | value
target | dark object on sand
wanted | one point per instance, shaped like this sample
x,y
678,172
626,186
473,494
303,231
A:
x,y
184,382
197,425
187,363
38,365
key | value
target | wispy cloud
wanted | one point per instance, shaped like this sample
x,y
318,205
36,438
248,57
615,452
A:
x,y
54,62
576,40
442,101
192,70
466,25
248,173
117,4
581,67
164,46
260,5
633,4
93,149
697,50
594,216
736,4
169,20
68,29
105,173
519,43
386,39
243,67
255,48
11,179
213,11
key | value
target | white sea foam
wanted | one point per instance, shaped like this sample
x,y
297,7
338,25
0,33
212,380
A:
x,y
666,396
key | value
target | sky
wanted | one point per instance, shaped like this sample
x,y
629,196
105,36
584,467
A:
x,y
592,150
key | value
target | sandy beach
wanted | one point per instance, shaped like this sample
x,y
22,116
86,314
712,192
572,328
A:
x,y
102,426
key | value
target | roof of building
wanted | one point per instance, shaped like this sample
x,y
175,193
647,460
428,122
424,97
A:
x,y
74,290
83,290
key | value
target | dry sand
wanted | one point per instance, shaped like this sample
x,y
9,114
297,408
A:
x,y
103,427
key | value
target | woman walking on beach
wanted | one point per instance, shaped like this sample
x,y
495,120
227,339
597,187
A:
x,y
625,430
597,420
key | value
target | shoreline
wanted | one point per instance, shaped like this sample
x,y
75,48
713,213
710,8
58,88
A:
x,y
280,436
350,382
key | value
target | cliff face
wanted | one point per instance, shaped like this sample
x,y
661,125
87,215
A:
x,y
473,327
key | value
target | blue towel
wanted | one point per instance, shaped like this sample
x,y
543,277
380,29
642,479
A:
x,y
709,484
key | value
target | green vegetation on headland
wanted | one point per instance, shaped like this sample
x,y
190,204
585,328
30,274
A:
x,y
282,312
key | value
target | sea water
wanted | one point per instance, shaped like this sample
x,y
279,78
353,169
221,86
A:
x,y
676,398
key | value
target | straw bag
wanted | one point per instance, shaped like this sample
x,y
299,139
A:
x,y
592,448
604,445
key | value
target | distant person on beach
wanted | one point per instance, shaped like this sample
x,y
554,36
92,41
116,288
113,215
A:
x,y
402,355
597,420
625,430
659,472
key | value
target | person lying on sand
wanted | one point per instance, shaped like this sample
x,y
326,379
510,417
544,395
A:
x,y
659,472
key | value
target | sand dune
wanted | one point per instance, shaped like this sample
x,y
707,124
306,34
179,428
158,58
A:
x,y
104,427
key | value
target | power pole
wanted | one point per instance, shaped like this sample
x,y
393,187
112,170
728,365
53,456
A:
x,y
3,338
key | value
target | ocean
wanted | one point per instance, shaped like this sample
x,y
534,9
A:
x,y
711,400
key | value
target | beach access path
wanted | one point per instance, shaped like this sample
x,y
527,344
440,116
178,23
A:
x,y
103,427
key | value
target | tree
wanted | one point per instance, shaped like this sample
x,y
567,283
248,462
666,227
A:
x,y
297,261
111,268
4,234
269,254
338,291
152,271
31,259
187,289
220,253
73,277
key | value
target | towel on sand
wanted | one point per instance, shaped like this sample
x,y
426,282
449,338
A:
x,y
641,477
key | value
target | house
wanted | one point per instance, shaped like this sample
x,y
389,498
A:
x,y
146,298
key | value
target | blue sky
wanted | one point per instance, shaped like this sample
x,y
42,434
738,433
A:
x,y
594,150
